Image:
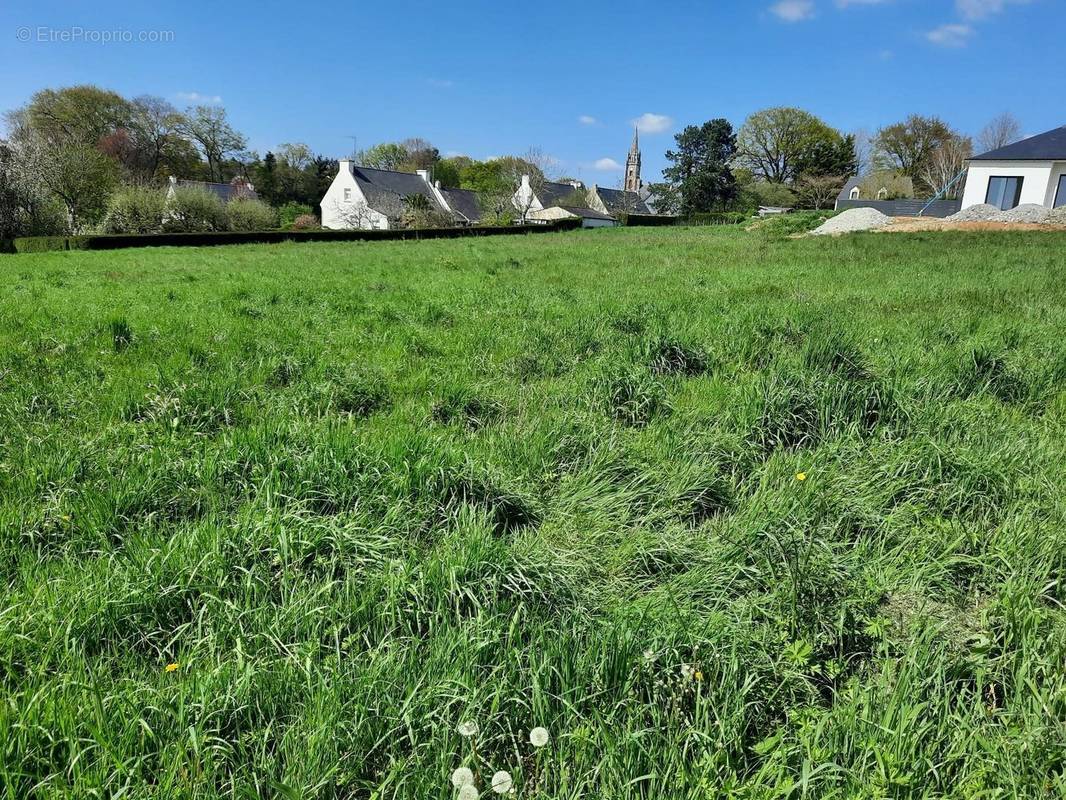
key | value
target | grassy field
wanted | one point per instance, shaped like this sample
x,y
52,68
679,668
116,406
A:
x,y
728,514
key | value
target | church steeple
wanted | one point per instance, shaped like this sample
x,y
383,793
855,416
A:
x,y
632,183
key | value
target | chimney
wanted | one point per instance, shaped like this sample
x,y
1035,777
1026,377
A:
x,y
344,164
437,184
423,174
525,181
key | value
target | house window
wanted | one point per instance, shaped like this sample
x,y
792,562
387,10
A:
x,y
347,195
1004,192
1060,195
882,193
855,193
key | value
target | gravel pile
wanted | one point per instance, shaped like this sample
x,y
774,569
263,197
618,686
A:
x,y
1058,216
983,212
852,221
1029,213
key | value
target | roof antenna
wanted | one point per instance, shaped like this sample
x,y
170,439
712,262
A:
x,y
354,142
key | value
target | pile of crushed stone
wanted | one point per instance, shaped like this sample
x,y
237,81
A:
x,y
1030,213
852,221
1057,216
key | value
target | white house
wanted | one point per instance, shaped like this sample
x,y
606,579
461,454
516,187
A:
x,y
375,199
589,217
1030,171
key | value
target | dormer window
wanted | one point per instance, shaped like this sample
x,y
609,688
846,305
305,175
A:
x,y
882,193
347,195
855,193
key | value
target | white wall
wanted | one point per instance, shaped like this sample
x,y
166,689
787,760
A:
x,y
341,214
1037,185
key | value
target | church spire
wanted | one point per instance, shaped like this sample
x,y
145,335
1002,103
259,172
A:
x,y
632,182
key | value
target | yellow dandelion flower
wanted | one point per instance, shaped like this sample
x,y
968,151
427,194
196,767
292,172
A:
x,y
699,675
172,667
801,476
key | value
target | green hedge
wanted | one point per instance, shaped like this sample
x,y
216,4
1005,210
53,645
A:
x,y
41,244
649,220
718,218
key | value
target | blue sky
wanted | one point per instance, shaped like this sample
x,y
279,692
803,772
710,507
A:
x,y
489,78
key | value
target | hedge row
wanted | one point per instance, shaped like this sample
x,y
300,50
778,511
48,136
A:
x,y
41,244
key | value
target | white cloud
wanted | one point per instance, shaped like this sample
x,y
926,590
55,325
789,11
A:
x,y
951,35
979,9
202,99
585,119
652,123
607,165
846,3
793,10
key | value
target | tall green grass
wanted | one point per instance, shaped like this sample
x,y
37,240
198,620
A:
x,y
361,493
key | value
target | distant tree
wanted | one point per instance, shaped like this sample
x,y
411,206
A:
x,y
387,155
266,178
420,154
1001,131
831,155
79,175
76,115
447,172
209,128
819,191
942,169
664,198
155,131
777,143
700,167
908,146
485,176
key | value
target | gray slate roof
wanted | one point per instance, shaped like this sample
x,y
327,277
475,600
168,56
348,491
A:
x,y
845,193
551,193
465,202
619,201
386,190
1050,146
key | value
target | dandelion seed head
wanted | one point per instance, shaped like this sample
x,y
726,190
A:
x,y
538,737
501,782
462,777
468,792
468,728
687,671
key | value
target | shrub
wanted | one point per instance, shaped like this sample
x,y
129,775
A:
x,y
135,209
291,211
194,210
245,214
305,222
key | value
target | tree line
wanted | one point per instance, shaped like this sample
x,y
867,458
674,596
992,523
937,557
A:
x,y
789,157
86,158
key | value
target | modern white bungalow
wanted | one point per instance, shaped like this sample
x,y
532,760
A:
x,y
1030,171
